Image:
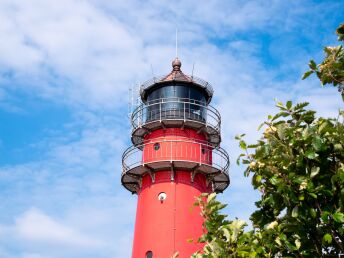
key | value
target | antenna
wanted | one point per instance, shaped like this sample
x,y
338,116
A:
x,y
134,99
176,42
137,95
152,72
130,100
193,68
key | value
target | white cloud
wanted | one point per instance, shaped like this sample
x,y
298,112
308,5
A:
x,y
92,212
36,226
82,232
71,41
83,55
88,53
32,255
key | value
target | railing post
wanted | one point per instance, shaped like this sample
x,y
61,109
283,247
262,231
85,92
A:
x,y
200,153
184,111
160,110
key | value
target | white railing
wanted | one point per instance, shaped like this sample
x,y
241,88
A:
x,y
183,150
176,109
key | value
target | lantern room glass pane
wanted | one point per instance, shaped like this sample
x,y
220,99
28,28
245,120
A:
x,y
176,101
177,91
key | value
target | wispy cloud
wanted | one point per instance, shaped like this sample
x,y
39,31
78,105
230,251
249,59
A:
x,y
35,226
82,56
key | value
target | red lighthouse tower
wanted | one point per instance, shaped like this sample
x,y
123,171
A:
x,y
174,158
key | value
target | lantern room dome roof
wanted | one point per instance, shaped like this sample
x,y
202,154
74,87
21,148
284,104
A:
x,y
176,76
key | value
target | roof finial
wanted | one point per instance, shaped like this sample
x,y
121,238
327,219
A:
x,y
176,64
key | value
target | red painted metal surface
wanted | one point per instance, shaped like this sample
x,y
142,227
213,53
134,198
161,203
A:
x,y
164,226
176,145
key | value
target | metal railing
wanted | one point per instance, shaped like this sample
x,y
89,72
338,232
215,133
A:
x,y
182,151
176,109
192,79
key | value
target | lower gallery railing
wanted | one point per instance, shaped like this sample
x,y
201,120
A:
x,y
185,154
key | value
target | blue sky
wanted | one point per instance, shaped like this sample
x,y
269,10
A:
x,y
65,70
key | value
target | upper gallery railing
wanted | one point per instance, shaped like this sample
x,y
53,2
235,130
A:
x,y
176,109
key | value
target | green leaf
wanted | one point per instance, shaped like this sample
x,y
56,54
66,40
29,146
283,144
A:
x,y
245,161
327,238
340,32
314,171
312,65
278,241
280,105
313,212
338,217
243,145
313,195
274,180
311,154
295,212
289,104
301,105
324,216
297,244
260,126
257,178
317,143
227,234
278,115
338,147
280,131
239,136
238,159
307,74
211,197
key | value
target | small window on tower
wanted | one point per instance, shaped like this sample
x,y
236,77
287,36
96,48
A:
x,y
203,150
149,254
156,146
162,196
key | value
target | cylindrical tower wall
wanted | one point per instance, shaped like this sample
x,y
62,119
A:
x,y
164,226
175,144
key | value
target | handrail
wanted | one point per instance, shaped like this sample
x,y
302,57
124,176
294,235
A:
x,y
190,151
176,109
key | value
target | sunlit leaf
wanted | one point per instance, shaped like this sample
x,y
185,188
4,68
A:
x,y
327,238
315,171
338,217
295,212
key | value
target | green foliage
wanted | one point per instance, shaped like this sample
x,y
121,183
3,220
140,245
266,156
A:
x,y
331,70
298,166
224,238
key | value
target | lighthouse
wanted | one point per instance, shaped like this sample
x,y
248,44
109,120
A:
x,y
175,156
